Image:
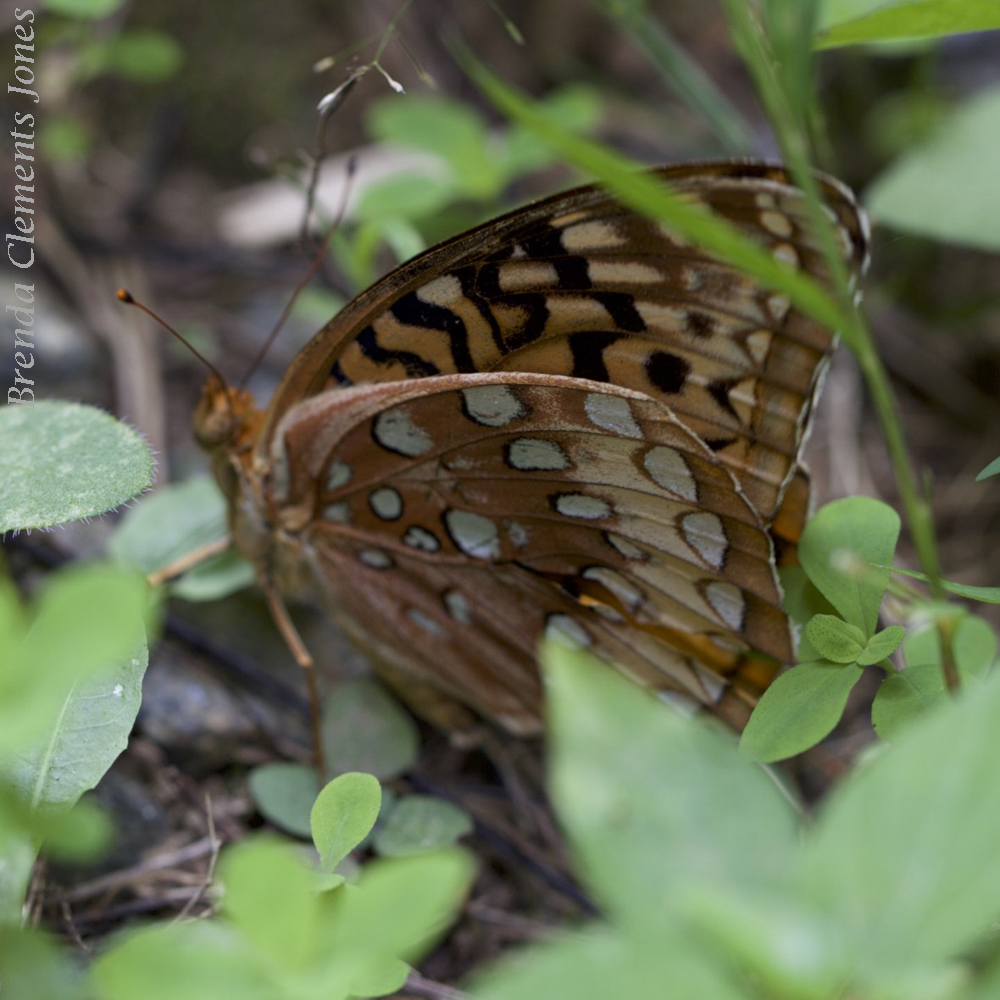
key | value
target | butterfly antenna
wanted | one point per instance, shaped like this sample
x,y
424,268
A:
x,y
317,263
124,295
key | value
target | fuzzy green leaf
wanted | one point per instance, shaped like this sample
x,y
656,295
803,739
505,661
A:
x,y
834,639
799,709
881,645
63,461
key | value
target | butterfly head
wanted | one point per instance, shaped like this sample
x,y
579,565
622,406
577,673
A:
x,y
226,418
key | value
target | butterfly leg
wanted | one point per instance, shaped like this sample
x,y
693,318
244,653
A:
x,y
285,625
187,561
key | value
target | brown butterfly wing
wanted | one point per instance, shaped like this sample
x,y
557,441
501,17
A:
x,y
579,285
450,522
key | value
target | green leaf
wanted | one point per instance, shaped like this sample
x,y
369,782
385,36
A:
x,y
834,639
405,196
204,960
420,823
65,138
945,188
903,857
366,729
991,470
91,729
848,22
142,56
64,461
904,695
845,549
85,10
882,645
32,967
88,623
599,963
343,815
450,129
270,898
799,709
399,905
985,595
630,780
284,793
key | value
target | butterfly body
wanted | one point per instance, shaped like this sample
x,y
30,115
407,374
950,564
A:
x,y
566,420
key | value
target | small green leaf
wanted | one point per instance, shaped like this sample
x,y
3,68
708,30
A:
x,y
64,461
366,729
142,56
800,708
834,639
418,824
905,695
65,139
944,189
848,22
88,10
845,549
991,470
882,645
284,793
343,815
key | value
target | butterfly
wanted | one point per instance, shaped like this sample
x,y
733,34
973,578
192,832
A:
x,y
566,420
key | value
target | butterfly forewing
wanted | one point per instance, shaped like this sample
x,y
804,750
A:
x,y
567,419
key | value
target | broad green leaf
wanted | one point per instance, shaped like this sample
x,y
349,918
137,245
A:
x,y
343,815
946,188
903,857
64,461
420,823
204,960
845,549
974,646
366,729
834,639
270,898
284,793
799,709
991,470
848,22
399,906
173,522
405,196
881,645
88,620
601,963
648,798
91,729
